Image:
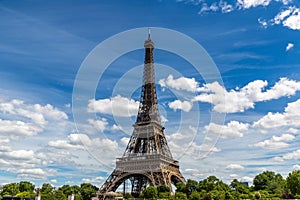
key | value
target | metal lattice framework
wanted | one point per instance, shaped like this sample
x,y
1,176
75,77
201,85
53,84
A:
x,y
147,159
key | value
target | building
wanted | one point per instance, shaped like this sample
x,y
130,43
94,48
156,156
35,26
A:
x,y
147,159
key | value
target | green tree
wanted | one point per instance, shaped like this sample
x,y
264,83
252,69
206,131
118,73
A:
x,y
46,188
269,181
48,196
239,187
10,189
150,193
26,194
163,188
191,186
293,182
180,196
180,187
195,196
59,195
163,191
87,191
212,183
66,189
25,186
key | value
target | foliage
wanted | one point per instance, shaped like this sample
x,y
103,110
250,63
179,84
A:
x,y
10,189
293,182
268,180
266,185
150,193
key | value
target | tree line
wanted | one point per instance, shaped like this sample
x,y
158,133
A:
x,y
266,185
25,189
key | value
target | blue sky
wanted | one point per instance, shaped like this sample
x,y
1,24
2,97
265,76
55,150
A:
x,y
44,44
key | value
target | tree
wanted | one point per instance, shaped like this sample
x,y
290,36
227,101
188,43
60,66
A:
x,y
239,187
180,187
26,194
212,183
191,186
46,188
25,186
293,182
195,196
180,196
59,195
163,188
150,193
269,181
10,189
88,190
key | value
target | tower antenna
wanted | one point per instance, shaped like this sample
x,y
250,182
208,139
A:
x,y
148,33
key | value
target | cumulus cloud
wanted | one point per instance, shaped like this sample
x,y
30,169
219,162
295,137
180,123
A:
x,y
289,46
100,124
295,155
245,4
239,100
181,105
21,119
289,17
232,129
94,180
296,167
125,141
289,118
276,142
118,106
181,83
35,173
77,141
234,167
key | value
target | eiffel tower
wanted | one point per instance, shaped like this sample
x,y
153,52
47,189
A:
x,y
147,159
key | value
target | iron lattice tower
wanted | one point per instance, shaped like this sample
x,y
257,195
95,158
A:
x,y
147,159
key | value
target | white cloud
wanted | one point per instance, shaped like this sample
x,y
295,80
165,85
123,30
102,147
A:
x,y
20,119
263,22
234,167
245,4
289,18
289,46
18,155
118,106
293,131
181,105
125,141
53,181
232,129
247,179
289,118
116,127
100,125
36,173
163,119
191,149
95,180
193,173
77,141
296,167
182,83
295,155
276,142
239,100
18,128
